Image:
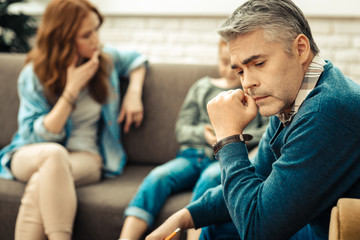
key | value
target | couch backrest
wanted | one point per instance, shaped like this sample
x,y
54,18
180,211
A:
x,y
10,66
165,88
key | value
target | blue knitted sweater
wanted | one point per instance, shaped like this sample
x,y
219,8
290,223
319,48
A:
x,y
300,171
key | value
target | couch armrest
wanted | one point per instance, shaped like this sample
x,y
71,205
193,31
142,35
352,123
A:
x,y
345,220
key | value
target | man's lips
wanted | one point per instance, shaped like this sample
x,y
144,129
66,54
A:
x,y
259,98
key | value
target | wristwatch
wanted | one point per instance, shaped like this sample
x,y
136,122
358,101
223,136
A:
x,y
231,139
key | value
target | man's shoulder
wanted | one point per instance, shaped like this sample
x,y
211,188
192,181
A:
x,y
336,97
336,89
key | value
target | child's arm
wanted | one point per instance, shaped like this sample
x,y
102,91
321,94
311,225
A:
x,y
209,134
188,129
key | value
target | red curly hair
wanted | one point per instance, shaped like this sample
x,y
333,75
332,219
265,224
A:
x,y
56,49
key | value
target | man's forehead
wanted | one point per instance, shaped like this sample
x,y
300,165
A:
x,y
246,46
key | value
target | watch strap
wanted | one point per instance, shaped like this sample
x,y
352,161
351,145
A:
x,y
231,139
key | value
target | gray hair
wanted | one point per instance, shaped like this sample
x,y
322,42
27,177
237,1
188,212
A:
x,y
281,20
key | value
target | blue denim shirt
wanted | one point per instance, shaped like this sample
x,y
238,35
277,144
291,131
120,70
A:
x,y
34,107
300,171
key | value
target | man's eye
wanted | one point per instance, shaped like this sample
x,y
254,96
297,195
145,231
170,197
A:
x,y
240,73
259,64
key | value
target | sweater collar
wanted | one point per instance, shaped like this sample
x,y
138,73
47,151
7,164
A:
x,y
311,77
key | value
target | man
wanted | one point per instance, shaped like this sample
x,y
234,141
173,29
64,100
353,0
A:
x,y
309,156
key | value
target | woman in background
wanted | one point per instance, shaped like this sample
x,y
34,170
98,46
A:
x,y
69,105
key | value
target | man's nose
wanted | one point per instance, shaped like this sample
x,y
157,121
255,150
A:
x,y
249,81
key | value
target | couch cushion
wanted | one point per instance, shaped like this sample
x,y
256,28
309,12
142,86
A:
x,y
101,206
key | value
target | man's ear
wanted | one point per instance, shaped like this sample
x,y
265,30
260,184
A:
x,y
302,48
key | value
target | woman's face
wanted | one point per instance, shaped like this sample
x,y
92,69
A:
x,y
87,38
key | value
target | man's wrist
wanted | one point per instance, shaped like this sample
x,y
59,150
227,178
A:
x,y
230,139
186,219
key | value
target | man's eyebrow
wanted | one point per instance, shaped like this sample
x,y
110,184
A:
x,y
252,58
246,61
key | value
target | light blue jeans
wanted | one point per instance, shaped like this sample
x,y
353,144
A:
x,y
190,169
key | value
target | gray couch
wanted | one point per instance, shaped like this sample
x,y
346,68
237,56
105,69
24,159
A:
x,y
101,205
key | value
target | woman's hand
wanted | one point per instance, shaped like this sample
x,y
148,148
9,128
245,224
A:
x,y
132,110
77,77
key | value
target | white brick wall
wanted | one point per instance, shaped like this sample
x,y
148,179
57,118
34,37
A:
x,y
165,39
339,41
194,39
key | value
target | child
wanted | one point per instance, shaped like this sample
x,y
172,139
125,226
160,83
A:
x,y
194,166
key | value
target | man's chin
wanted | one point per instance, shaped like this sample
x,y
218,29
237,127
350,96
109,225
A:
x,y
266,111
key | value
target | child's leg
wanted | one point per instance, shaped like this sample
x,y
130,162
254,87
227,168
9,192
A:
x,y
174,176
209,178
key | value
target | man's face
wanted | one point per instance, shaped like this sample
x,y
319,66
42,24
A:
x,y
268,74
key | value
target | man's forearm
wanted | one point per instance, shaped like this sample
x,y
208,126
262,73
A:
x,y
209,209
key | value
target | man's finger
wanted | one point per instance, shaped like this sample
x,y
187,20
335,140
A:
x,y
250,102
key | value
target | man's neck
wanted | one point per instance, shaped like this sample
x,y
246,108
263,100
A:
x,y
308,62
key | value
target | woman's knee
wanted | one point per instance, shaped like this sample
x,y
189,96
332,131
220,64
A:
x,y
31,158
54,148
55,154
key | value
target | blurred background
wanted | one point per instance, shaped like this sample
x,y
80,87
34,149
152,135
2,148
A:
x,y
184,31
